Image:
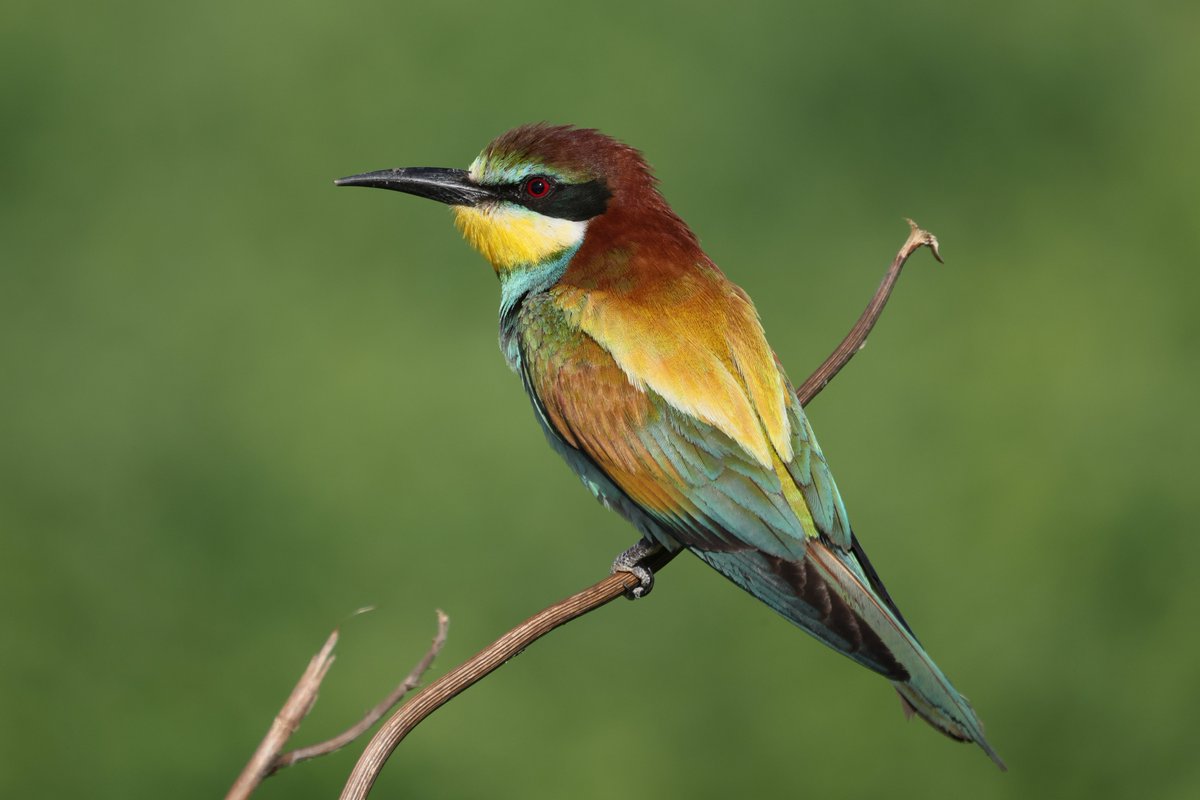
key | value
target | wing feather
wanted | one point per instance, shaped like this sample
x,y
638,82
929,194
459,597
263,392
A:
x,y
710,489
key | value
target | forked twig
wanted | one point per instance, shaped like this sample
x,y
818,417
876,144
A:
x,y
267,760
410,682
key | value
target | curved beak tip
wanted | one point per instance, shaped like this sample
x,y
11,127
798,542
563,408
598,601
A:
x,y
365,178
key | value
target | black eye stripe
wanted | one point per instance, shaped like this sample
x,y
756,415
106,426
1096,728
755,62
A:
x,y
573,201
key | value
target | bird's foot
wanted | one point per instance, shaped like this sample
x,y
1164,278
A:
x,y
631,561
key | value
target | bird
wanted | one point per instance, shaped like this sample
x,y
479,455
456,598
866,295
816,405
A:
x,y
650,374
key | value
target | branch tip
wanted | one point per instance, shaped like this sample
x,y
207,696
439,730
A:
x,y
857,337
293,712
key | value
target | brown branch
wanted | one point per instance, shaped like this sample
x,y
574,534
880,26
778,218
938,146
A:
x,y
453,683
857,337
267,761
462,677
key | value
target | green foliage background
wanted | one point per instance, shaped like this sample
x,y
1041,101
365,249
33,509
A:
x,y
238,404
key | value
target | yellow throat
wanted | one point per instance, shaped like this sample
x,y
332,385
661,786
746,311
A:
x,y
510,236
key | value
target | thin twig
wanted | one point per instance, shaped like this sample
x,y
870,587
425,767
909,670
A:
x,y
453,683
857,337
286,721
410,682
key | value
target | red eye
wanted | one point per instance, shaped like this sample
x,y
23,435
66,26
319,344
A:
x,y
538,187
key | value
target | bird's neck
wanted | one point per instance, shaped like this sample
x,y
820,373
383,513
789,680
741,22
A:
x,y
521,280
518,282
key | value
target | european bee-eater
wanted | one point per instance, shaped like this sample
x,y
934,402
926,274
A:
x,y
650,374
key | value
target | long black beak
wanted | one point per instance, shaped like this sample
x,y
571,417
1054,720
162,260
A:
x,y
451,186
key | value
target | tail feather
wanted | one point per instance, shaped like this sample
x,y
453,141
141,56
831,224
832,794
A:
x,y
829,595
913,703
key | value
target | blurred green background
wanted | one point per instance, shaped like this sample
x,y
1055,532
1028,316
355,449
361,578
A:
x,y
238,404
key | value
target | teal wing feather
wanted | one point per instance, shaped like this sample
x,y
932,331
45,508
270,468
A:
x,y
747,530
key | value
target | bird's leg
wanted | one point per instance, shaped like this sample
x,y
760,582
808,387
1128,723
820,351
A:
x,y
631,561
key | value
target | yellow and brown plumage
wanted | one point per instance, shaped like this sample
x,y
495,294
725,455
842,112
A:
x,y
651,375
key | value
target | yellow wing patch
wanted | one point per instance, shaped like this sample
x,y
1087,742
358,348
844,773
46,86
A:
x,y
795,499
699,345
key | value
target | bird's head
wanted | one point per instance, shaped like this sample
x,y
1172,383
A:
x,y
530,196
